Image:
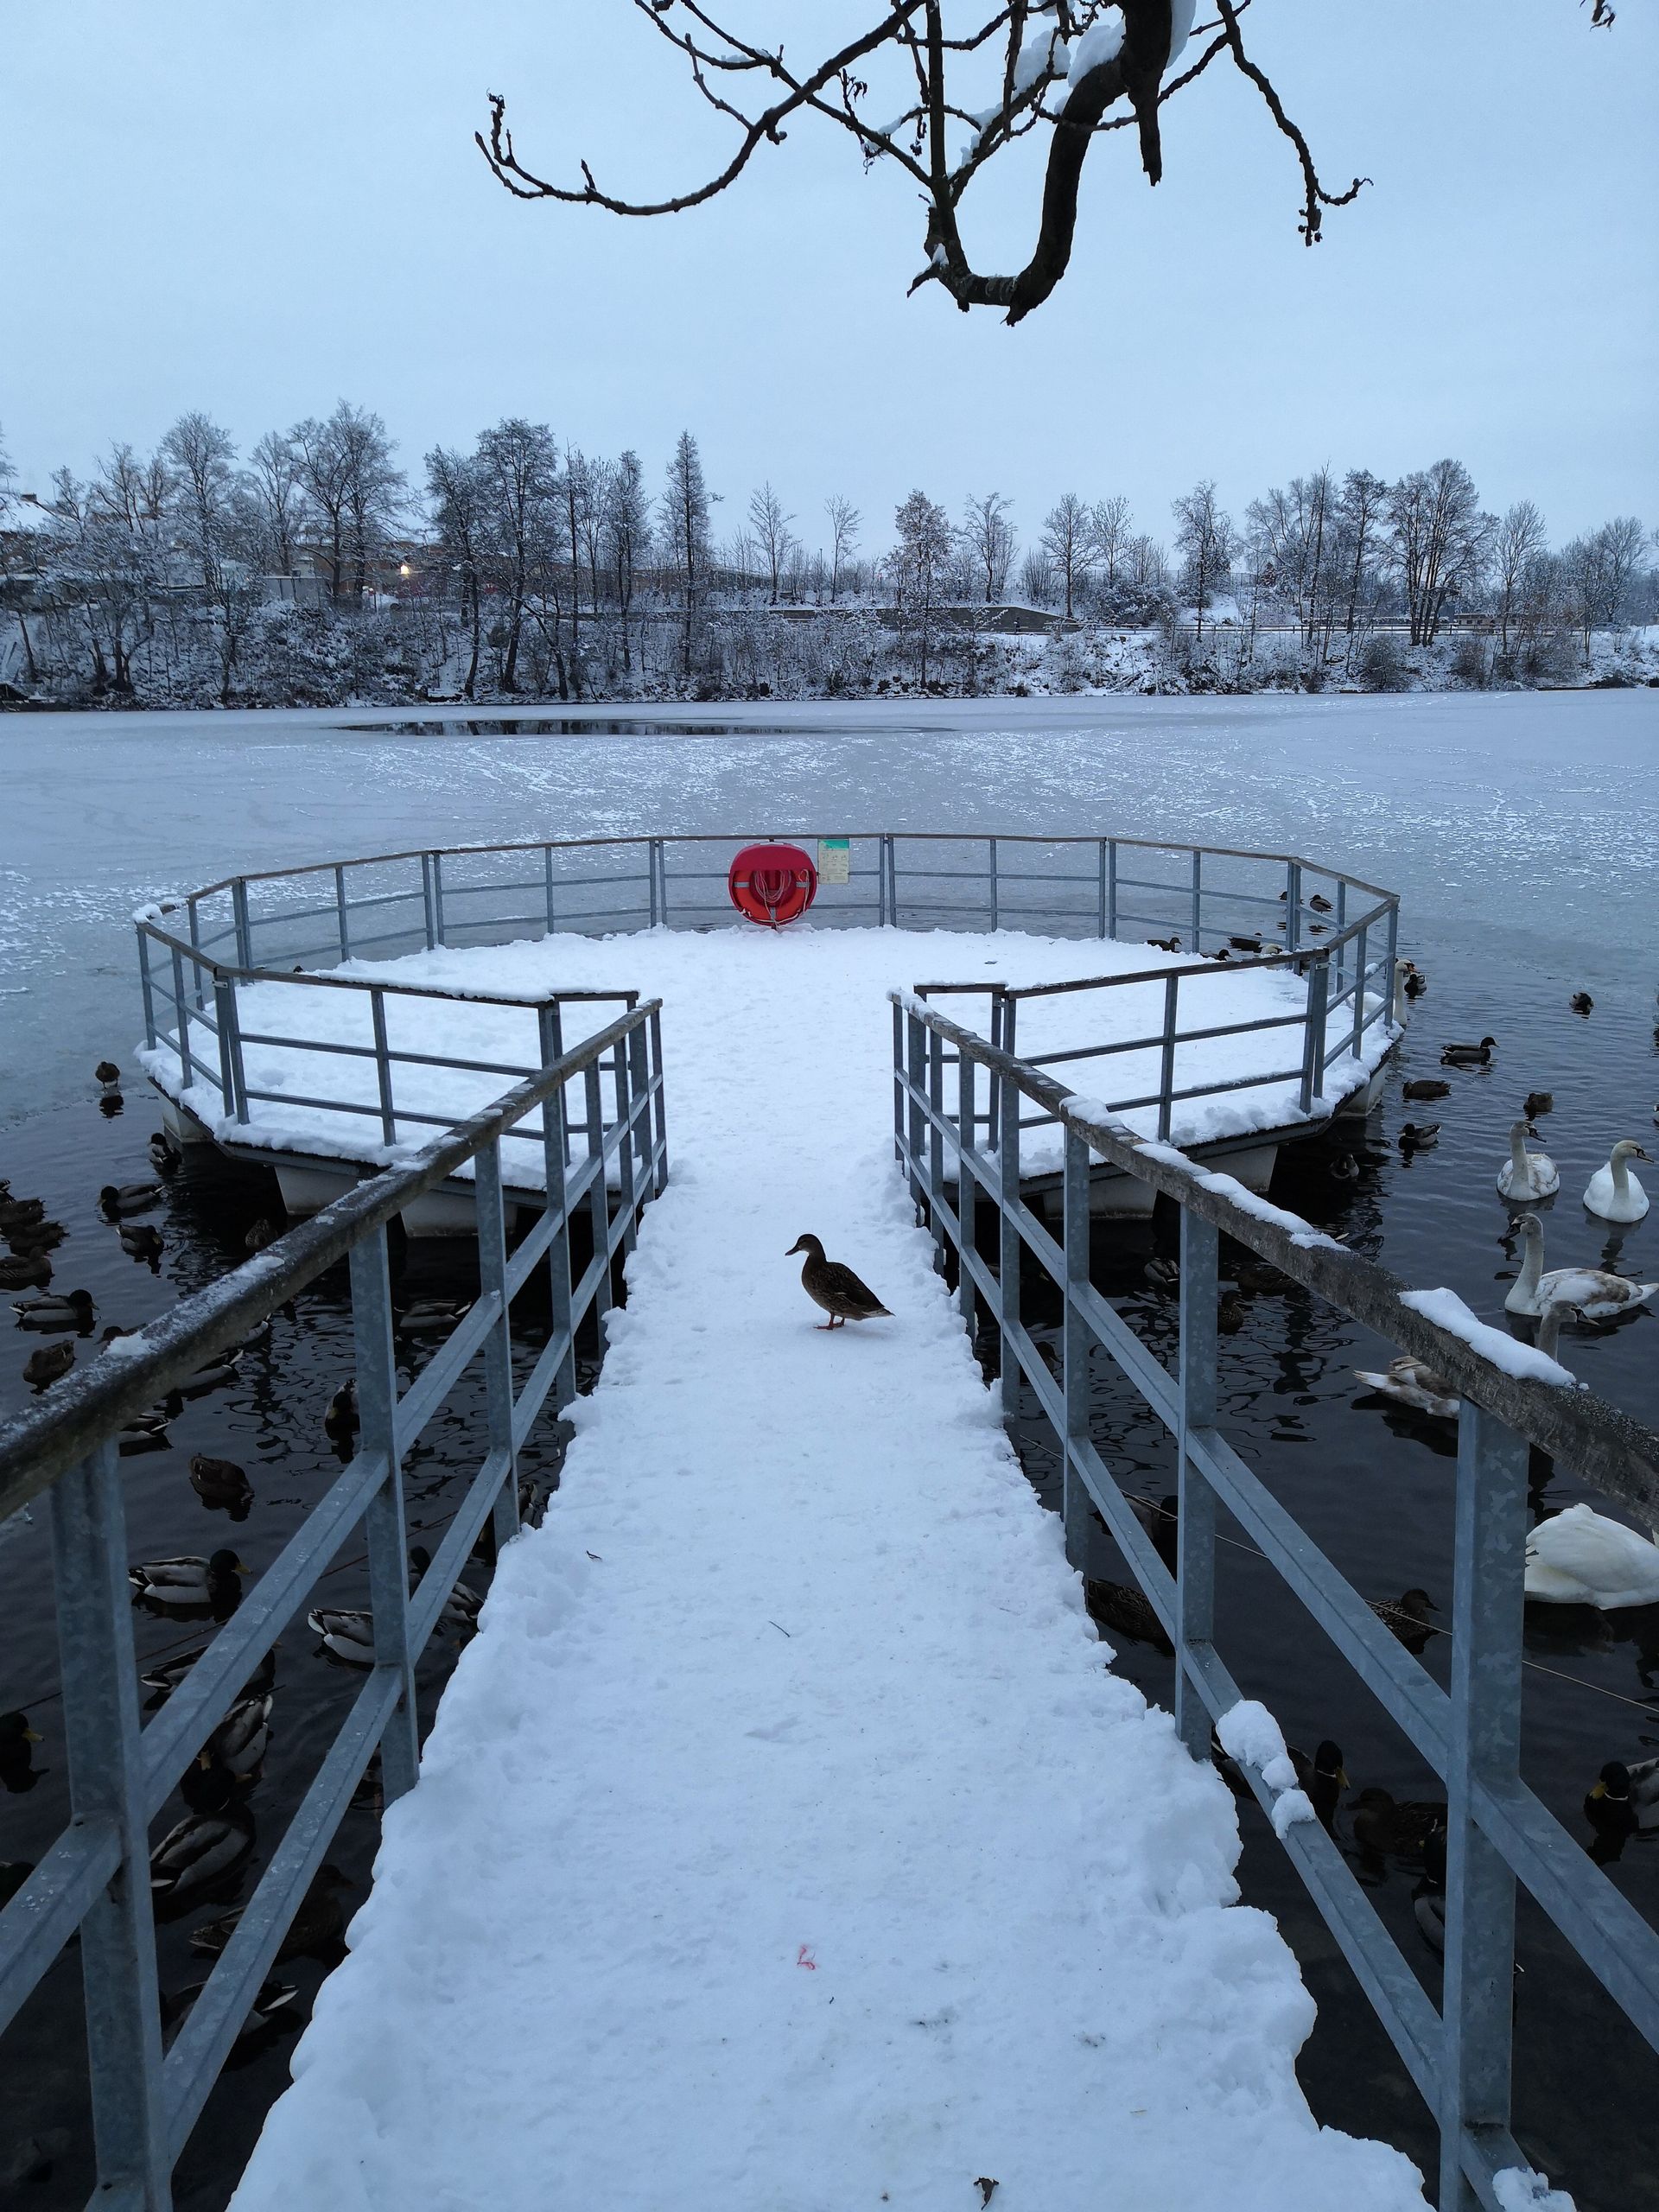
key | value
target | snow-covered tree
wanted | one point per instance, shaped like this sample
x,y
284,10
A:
x,y
685,528
990,539
775,541
1207,542
918,565
1438,543
845,523
1068,542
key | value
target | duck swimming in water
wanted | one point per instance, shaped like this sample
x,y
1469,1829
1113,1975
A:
x,y
1469,1056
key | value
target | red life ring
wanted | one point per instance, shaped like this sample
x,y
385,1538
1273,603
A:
x,y
773,884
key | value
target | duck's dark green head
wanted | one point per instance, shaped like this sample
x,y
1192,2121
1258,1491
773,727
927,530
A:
x,y
1614,1782
15,1729
226,1563
1327,1761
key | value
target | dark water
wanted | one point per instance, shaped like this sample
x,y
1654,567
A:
x,y
1525,843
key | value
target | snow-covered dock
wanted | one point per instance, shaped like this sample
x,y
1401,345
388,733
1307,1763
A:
x,y
784,1842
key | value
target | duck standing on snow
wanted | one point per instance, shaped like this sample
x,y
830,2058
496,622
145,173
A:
x,y
1580,1557
1598,1294
833,1287
1614,1194
1525,1175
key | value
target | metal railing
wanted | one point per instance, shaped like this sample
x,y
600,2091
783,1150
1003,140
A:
x,y
383,904
1498,1831
94,1880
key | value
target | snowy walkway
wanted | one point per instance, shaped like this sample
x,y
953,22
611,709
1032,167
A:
x,y
783,1843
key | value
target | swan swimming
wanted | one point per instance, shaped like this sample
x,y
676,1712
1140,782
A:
x,y
1526,1175
1614,1193
1581,1558
1599,1295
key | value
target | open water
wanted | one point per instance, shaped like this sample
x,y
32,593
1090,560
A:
x,y
1524,833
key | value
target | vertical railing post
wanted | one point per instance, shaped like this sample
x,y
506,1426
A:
x,y
1359,991
967,1183
653,869
640,1102
547,886
598,1204
377,1406
993,1102
232,1073
889,858
430,917
994,900
1293,905
1197,899
1101,895
659,1103
1010,1245
198,990
344,926
622,1083
555,1152
1488,1579
935,1130
106,1788
437,897
383,1064
243,925
490,1206
1196,1513
1111,887
916,1051
1076,1507
146,985
1319,992
1394,936
1166,1058
899,1083
181,1019
662,881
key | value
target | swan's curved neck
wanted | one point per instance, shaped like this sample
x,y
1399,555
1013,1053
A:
x,y
1549,1339
1620,1164
1518,1152
1532,1262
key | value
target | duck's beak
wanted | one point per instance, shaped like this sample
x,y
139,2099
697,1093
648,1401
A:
x,y
1342,1777
1600,1790
33,1736
204,1760
242,1567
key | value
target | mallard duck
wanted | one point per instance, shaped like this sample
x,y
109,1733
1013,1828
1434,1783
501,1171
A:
x,y
1581,1002
460,1608
263,1232
1164,944
217,1373
346,1635
1418,1136
17,1742
1416,981
141,1241
1343,1167
1261,1279
1539,1101
1425,1088
318,1926
73,1310
1161,1518
143,1433
209,1842
188,1580
28,1240
128,1198
221,1483
19,1213
1469,1056
1613,1193
49,1364
1413,1383
26,1271
1406,1617
1245,944
165,1155
340,1420
1230,1311
274,2003
1598,1294
1397,1827
165,1677
1164,1275
1624,1798
1579,1557
1526,1175
1322,1779
106,1072
239,1743
833,1287
1126,1611
431,1317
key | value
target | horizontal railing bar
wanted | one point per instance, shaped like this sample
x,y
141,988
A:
x,y
40,1918
37,1446
199,1703
1283,962
204,2042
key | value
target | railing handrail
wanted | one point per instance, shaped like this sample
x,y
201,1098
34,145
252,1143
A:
x,y
727,836
1604,1447
42,1443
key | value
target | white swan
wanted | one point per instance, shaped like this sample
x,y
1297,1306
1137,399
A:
x,y
1580,1557
1413,1383
1599,1295
1526,1175
1614,1193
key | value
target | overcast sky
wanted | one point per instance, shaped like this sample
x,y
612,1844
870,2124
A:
x,y
256,209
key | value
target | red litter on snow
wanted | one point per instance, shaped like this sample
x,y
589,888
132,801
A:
x,y
804,1958
773,884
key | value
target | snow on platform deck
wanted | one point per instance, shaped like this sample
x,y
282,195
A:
x,y
784,1842
853,969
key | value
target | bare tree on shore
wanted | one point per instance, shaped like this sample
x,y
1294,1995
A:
x,y
773,538
1068,543
845,522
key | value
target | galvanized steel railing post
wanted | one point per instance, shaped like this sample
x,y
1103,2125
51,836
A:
x,y
181,1019
621,1077
231,1074
916,1051
1198,898
1196,1520
199,991
890,864
1394,935
339,913
653,870
107,1776
1008,1239
1359,991
244,927
1076,1511
147,986
1111,887
638,1087
1101,901
547,886
935,1131
660,1106
598,1207
899,1083
967,1186
428,917
556,1152
437,897
497,1346
991,841
1166,1058
1319,993
1487,1602
383,1521
383,1064
1292,906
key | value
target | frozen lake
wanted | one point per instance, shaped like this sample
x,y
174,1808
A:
x,y
1523,829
